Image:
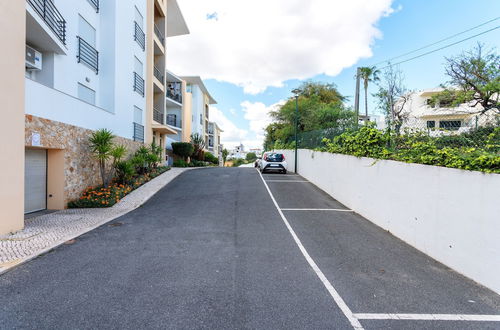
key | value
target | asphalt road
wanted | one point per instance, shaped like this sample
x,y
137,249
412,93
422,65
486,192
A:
x,y
212,251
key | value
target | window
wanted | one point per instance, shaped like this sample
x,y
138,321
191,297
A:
x,y
189,88
139,18
86,94
431,124
201,119
137,115
138,66
87,31
452,125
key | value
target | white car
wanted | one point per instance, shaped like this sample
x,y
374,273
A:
x,y
273,161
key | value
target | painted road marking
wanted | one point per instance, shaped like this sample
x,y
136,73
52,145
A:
x,y
355,317
335,295
285,180
336,210
434,317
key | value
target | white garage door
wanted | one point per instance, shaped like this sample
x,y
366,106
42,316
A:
x,y
35,180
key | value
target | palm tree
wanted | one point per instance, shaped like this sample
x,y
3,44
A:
x,y
101,144
368,74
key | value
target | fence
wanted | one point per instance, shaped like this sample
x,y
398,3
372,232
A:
x,y
447,130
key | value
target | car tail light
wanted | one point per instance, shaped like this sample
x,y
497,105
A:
x,y
283,157
265,157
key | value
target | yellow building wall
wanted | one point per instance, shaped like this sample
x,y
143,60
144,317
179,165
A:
x,y
13,35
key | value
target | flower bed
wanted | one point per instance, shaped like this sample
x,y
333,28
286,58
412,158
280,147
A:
x,y
98,197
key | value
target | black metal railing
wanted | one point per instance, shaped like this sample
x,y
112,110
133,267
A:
x,y
95,4
139,36
158,74
138,84
48,11
158,116
174,91
172,120
159,35
138,132
88,55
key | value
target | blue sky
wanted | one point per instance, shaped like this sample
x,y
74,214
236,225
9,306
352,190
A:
x,y
411,25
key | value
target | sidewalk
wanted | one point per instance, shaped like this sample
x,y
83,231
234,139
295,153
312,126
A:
x,y
45,232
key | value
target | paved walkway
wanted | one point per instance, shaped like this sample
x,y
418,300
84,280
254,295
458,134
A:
x,y
227,248
47,231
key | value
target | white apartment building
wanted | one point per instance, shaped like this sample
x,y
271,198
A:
x,y
419,113
90,64
214,142
198,101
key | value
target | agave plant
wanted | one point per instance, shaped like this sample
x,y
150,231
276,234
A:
x,y
198,143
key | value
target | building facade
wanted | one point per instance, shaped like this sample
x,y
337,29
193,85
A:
x,y
419,112
214,141
89,65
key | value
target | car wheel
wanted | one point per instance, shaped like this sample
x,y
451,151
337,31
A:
x,y
284,171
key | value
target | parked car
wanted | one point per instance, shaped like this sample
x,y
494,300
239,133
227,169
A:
x,y
273,161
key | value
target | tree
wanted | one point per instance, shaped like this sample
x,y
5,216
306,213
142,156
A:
x,y
198,143
475,78
225,153
101,145
321,106
368,74
182,149
392,97
251,156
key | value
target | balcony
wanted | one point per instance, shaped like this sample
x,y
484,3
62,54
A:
x,y
52,17
174,91
172,120
95,4
158,116
88,55
139,36
138,84
157,73
138,132
159,35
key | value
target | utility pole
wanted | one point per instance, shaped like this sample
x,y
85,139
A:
x,y
356,97
296,92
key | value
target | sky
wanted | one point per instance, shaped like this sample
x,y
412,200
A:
x,y
251,54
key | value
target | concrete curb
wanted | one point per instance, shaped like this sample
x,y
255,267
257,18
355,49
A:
x,y
129,203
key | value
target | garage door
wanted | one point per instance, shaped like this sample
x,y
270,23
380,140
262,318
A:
x,y
35,180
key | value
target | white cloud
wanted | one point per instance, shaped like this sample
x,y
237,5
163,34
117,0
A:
x,y
261,43
257,114
232,135
232,111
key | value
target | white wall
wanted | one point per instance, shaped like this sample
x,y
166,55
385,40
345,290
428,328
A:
x,y
451,215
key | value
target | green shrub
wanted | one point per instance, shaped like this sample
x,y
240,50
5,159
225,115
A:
x,y
446,151
125,171
211,158
182,149
180,163
198,163
238,162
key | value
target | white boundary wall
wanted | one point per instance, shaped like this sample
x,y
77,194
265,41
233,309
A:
x,y
451,215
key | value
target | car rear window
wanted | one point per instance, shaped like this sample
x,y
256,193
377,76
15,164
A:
x,y
274,157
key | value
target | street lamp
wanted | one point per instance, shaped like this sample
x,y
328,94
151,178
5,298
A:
x,y
297,93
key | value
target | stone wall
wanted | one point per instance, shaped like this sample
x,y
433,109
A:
x,y
81,170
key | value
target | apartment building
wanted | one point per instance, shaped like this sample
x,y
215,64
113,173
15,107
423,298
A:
x,y
89,64
418,111
214,142
198,101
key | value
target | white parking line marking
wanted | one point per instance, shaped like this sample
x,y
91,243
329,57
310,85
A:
x,y
335,295
336,210
286,181
434,317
